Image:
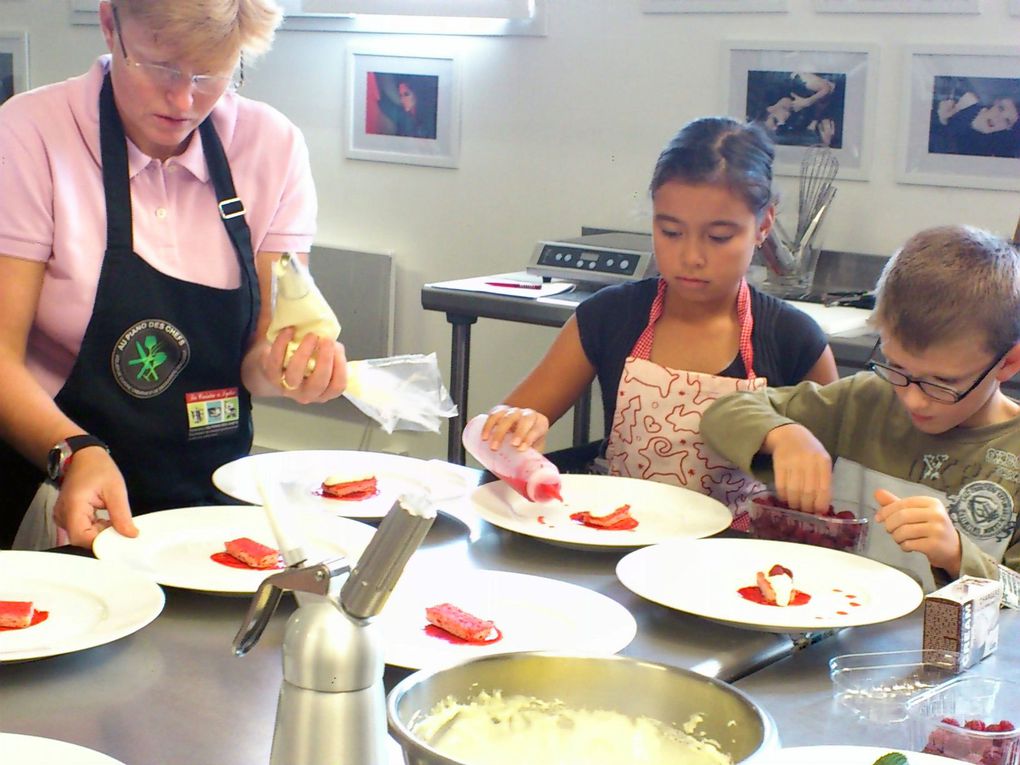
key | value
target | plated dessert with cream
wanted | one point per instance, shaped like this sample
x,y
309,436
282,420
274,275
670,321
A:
x,y
350,487
775,588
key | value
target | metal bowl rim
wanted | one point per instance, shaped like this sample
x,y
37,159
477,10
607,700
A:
x,y
770,737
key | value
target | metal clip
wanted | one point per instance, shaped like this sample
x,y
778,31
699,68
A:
x,y
313,579
232,201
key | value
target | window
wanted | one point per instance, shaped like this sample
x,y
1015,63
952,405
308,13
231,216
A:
x,y
470,17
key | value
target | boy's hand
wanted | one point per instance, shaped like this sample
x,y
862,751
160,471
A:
x,y
921,524
525,427
802,467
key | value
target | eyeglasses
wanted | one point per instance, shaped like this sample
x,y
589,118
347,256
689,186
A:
x,y
168,77
941,393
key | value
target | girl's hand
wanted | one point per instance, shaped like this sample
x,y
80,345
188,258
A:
x,y
526,427
921,524
802,467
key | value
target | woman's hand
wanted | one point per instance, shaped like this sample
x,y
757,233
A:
x,y
802,467
921,524
526,427
92,482
325,382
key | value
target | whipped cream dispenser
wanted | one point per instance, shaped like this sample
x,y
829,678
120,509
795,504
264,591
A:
x,y
332,702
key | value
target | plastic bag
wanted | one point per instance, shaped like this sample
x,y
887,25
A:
x,y
400,392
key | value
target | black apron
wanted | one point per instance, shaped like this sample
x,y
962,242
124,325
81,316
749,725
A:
x,y
158,376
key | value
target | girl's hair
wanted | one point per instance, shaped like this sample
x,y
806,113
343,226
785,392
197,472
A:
x,y
951,282
720,151
208,31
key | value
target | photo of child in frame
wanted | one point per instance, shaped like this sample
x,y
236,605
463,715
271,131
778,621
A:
x,y
401,104
798,108
975,116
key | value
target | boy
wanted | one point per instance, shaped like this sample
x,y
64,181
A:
x,y
926,442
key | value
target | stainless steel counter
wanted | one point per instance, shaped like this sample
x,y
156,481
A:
x,y
173,693
798,692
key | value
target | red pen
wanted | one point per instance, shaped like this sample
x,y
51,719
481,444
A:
x,y
515,285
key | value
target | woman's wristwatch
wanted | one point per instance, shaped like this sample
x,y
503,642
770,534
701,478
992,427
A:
x,y
60,455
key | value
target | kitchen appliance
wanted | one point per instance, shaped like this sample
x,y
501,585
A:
x,y
604,258
331,706
740,727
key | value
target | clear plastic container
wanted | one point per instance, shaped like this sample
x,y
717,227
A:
x,y
953,719
877,686
769,519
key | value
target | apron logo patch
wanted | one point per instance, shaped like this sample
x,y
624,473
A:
x,y
984,510
148,357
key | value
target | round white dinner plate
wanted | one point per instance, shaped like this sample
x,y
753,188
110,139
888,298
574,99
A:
x,y
533,613
395,474
847,755
703,577
174,547
661,510
90,602
34,750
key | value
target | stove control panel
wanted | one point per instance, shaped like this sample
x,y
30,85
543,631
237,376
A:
x,y
608,258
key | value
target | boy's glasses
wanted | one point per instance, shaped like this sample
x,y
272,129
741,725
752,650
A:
x,y
168,77
941,393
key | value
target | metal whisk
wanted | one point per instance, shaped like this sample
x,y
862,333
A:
x,y
817,171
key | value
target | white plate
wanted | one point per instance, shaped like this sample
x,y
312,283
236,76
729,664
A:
x,y
662,511
33,750
532,612
702,577
847,755
90,602
174,546
394,475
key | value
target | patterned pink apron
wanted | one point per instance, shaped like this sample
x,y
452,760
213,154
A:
x,y
656,431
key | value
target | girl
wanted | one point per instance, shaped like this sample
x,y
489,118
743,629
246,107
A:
x,y
664,348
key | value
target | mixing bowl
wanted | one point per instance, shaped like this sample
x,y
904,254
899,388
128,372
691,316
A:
x,y
673,696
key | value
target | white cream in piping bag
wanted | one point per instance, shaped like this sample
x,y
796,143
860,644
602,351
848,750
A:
x,y
298,303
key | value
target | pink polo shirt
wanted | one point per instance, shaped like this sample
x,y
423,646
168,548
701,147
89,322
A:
x,y
53,209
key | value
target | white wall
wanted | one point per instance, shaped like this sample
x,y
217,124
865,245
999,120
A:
x,y
557,132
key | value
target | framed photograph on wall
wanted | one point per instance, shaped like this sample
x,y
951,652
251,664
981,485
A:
x,y
13,63
714,6
897,6
960,118
403,108
804,95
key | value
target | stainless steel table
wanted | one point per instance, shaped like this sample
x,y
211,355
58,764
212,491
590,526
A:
x,y
798,693
173,693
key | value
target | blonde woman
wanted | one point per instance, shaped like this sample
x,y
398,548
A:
x,y
151,199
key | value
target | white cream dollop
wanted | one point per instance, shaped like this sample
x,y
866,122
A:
x,y
782,585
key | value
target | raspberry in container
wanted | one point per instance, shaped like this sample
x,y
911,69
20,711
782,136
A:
x,y
972,719
840,528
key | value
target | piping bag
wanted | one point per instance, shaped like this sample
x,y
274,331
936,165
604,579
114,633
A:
x,y
399,392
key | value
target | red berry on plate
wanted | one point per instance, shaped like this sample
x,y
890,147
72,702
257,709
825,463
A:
x,y
951,721
974,725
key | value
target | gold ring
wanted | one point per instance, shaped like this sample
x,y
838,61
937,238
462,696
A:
x,y
286,385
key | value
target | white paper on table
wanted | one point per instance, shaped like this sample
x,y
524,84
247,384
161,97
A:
x,y
836,319
484,284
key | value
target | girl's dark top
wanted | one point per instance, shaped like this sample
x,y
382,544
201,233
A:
x,y
786,342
